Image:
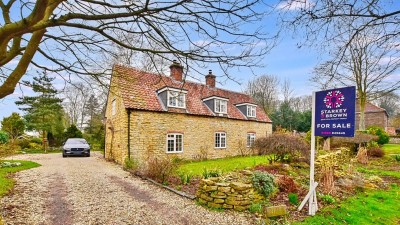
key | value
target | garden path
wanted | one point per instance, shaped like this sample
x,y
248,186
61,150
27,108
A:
x,y
93,191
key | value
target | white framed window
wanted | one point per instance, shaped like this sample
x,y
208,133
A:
x,y
176,99
251,111
220,140
251,137
174,143
220,106
113,107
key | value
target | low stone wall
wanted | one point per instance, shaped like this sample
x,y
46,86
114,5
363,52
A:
x,y
218,193
394,140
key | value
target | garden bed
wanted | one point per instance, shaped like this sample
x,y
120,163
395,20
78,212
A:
x,y
292,180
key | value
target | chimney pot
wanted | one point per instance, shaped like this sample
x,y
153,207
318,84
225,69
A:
x,y
176,70
210,79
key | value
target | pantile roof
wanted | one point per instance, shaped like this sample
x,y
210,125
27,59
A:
x,y
369,108
139,91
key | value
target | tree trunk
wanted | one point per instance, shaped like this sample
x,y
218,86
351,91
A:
x,y
361,124
44,140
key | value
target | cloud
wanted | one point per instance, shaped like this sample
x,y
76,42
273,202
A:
x,y
292,5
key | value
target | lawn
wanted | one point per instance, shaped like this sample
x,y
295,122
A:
x,y
379,172
7,183
385,166
391,149
223,165
371,207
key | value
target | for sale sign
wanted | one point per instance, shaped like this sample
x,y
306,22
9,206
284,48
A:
x,y
335,111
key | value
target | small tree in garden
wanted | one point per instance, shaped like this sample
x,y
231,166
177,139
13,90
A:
x,y
282,148
43,112
14,125
383,137
73,132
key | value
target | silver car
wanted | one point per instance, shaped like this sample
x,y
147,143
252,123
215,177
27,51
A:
x,y
76,146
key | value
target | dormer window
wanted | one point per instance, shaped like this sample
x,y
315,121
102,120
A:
x,y
173,97
221,106
218,105
251,111
248,109
176,99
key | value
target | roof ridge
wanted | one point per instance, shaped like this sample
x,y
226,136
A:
x,y
168,77
377,106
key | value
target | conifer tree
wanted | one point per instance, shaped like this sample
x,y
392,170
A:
x,y
43,112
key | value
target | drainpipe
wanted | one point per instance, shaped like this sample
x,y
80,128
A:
x,y
129,134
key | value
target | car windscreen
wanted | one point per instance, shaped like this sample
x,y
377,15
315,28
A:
x,y
76,141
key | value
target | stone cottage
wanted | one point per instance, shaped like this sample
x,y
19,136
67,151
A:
x,y
154,115
374,116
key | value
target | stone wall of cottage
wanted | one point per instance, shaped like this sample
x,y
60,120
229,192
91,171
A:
x,y
149,135
373,119
116,127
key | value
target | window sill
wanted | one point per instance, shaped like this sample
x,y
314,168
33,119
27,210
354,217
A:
x,y
174,152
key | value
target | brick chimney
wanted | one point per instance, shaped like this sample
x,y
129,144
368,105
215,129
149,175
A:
x,y
210,79
176,70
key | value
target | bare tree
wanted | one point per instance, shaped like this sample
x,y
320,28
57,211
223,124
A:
x,y
264,90
66,37
75,99
302,103
365,63
321,21
390,102
287,92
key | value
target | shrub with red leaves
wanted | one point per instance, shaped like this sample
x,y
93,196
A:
x,y
287,184
375,152
282,148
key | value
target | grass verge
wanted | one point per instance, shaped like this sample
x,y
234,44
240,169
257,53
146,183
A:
x,y
391,148
224,165
7,183
379,172
371,207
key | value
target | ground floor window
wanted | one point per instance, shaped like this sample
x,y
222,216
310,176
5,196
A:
x,y
251,137
220,140
174,143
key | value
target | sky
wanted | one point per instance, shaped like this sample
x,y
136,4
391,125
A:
x,y
285,61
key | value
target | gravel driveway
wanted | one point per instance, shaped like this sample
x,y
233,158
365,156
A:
x,y
92,191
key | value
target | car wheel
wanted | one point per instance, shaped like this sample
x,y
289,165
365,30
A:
x,y
64,155
88,155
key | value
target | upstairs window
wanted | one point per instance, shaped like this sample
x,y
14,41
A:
x,y
174,143
176,99
251,111
251,137
220,140
221,106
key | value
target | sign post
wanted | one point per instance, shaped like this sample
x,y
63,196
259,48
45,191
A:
x,y
333,114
